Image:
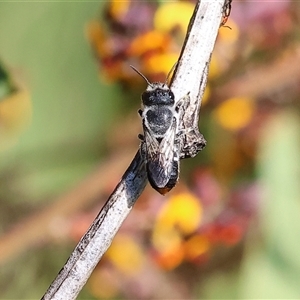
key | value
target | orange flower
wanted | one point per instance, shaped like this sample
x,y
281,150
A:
x,y
231,234
196,246
170,258
152,40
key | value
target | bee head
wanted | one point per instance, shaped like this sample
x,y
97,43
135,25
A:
x,y
158,94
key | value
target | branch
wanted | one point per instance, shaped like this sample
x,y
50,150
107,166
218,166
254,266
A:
x,y
189,79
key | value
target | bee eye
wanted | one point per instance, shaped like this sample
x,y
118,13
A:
x,y
145,97
171,95
148,99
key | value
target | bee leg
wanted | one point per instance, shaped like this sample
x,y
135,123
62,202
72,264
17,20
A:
x,y
191,142
143,150
183,102
179,134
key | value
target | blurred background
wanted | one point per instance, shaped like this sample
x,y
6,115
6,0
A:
x,y
68,130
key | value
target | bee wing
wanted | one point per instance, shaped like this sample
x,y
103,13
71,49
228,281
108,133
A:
x,y
160,157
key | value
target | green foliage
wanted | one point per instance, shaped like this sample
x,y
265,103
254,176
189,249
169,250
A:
x,y
44,47
271,268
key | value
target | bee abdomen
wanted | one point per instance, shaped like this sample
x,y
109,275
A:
x,y
159,119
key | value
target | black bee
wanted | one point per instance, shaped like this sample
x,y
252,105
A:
x,y
161,138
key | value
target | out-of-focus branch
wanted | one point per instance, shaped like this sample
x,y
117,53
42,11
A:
x,y
189,79
39,227
284,73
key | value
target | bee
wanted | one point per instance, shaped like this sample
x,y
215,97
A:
x,y
161,139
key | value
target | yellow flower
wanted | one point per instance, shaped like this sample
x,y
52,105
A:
x,y
172,14
103,284
16,111
165,238
206,95
235,113
15,116
160,63
183,211
181,215
125,254
119,8
229,35
214,67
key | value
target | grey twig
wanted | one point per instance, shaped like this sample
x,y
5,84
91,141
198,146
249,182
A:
x,y
188,81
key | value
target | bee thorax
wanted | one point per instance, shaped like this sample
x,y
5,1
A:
x,y
159,119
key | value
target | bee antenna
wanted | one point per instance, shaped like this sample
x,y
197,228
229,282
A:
x,y
142,75
170,72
